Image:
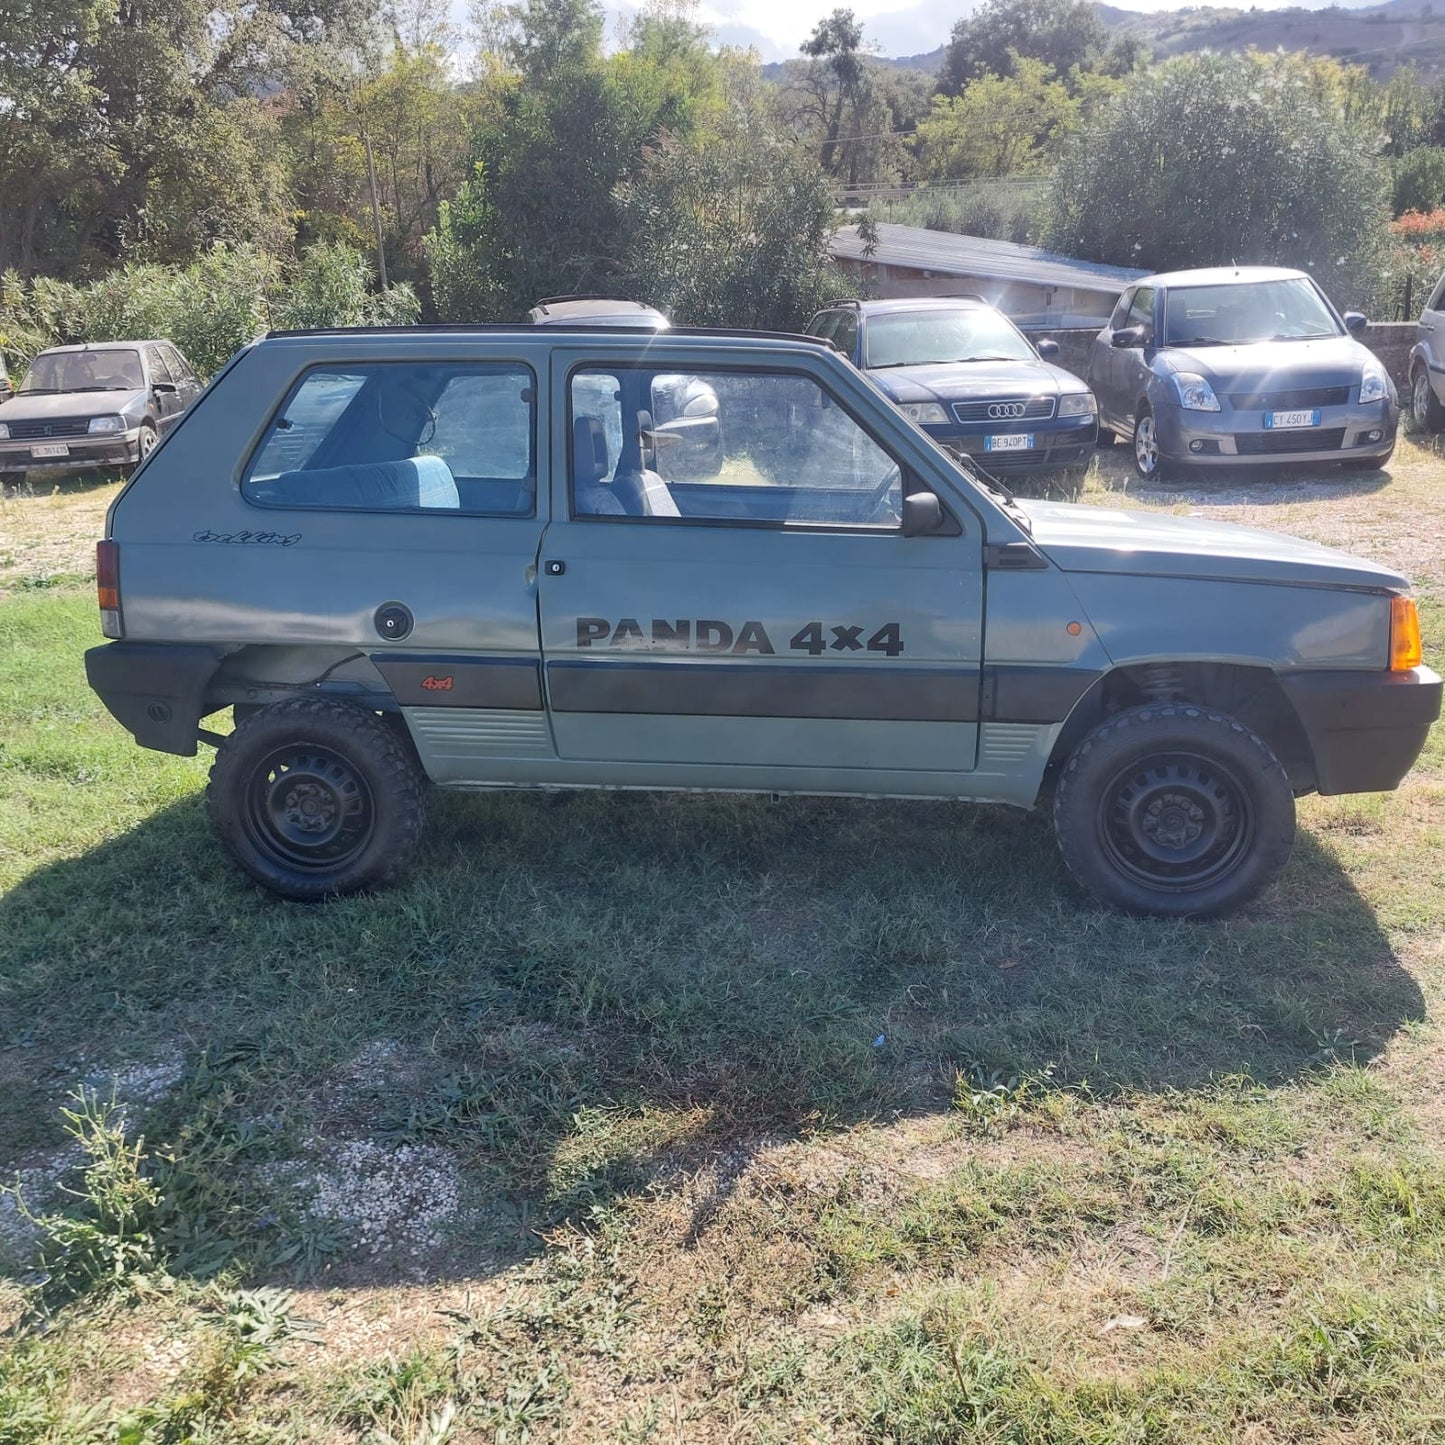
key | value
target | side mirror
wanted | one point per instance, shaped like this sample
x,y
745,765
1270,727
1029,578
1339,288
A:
x,y
1356,321
163,388
922,514
1047,348
1127,338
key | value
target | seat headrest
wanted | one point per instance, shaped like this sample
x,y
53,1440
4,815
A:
x,y
589,450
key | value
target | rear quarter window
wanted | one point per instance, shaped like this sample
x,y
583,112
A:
x,y
403,437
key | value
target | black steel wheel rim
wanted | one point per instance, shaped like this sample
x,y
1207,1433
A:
x,y
1176,820
308,808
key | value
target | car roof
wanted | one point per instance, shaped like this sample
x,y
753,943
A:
x,y
962,301
523,332
1223,276
105,346
598,311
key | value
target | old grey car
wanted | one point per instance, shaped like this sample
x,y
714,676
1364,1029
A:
x,y
106,404
415,556
1232,365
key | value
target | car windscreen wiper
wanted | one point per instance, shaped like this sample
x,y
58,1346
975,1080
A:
x,y
38,391
1199,341
1308,336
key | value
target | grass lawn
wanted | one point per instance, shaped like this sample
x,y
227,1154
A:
x,y
692,1119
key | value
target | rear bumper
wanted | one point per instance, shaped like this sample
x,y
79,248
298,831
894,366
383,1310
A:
x,y
155,690
1365,728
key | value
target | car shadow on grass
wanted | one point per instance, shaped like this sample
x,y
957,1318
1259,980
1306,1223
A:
x,y
1259,484
574,995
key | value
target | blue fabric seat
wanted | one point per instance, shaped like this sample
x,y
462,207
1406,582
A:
x,y
411,482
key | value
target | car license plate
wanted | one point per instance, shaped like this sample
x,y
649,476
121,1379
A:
x,y
50,449
1022,441
1286,420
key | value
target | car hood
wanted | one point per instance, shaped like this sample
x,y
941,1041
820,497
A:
x,y
972,380
70,404
1266,366
1105,539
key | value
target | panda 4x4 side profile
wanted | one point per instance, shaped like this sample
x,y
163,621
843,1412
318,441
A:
x,y
466,557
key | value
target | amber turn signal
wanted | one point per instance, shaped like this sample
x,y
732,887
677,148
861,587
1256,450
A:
x,y
1404,634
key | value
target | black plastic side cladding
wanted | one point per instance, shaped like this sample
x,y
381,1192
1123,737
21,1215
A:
x,y
155,690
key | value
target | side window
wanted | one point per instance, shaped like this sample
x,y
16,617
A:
x,y
1141,310
824,324
846,336
1121,310
180,368
1437,301
749,448
159,370
402,437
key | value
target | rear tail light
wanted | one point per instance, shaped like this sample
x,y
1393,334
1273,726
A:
x,y
107,586
1405,651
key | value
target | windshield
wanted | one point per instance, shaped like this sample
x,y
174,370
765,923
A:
x,y
919,338
1235,314
84,371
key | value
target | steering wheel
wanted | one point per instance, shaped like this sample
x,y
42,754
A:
x,y
877,512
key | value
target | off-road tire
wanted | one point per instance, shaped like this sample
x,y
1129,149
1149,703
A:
x,y
351,817
1429,413
1175,811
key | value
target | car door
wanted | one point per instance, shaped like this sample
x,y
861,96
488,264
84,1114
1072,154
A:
x,y
188,384
1105,373
165,392
767,626
1130,373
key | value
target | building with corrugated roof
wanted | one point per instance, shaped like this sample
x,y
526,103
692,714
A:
x,y
1038,289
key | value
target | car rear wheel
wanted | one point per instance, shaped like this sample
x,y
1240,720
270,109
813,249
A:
x,y
1147,461
1426,405
1175,811
314,797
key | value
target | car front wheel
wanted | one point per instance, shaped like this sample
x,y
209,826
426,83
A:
x,y
314,797
1174,810
1429,413
1146,446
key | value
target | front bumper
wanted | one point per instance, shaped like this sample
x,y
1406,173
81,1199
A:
x,y
1054,443
1355,432
1365,728
82,453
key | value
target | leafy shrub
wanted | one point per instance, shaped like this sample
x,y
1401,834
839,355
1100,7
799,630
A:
x,y
210,308
1419,183
1210,159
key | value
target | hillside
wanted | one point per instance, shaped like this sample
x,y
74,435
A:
x,y
1381,37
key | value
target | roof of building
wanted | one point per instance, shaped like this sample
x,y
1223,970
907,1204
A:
x,y
947,254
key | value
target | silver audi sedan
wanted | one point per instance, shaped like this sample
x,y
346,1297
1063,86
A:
x,y
1236,365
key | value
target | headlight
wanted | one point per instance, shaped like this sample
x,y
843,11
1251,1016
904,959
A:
x,y
1374,383
1195,394
106,426
929,412
1077,403
4,432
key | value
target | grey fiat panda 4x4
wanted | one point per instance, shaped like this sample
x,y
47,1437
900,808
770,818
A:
x,y
411,556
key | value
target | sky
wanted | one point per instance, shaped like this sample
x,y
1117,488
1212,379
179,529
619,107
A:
x,y
897,27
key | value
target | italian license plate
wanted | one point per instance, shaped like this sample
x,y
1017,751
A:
x,y
1290,420
1022,441
49,449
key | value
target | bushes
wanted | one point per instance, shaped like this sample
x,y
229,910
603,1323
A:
x,y
1210,159
209,308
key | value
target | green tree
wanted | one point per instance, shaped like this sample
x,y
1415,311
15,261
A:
x,y
730,227
1000,125
539,213
1062,33
1208,159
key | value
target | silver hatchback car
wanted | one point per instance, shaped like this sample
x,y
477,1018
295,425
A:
x,y
1233,365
